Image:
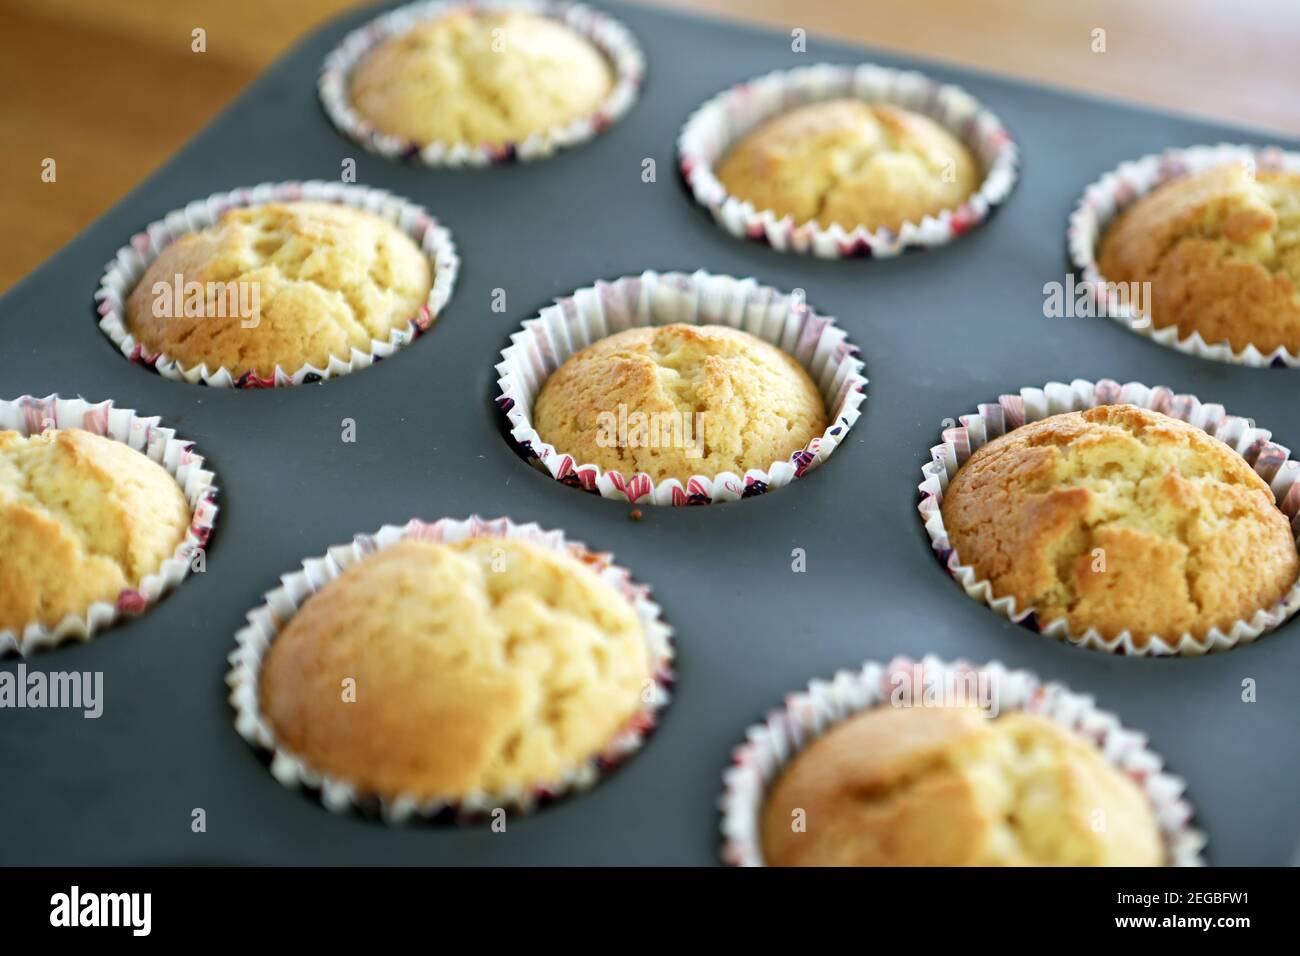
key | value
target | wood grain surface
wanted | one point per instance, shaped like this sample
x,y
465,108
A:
x,y
109,89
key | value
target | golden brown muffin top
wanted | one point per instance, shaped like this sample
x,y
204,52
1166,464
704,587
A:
x,y
930,786
82,518
853,163
325,279
476,666
480,78
679,400
1119,518
1221,249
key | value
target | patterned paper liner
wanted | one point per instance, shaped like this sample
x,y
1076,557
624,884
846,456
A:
x,y
1270,461
722,121
129,265
281,603
808,714
1108,196
650,299
28,415
613,40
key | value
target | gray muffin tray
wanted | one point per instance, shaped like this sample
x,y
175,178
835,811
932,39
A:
x,y
940,331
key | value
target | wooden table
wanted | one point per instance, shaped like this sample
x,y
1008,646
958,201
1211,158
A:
x,y
109,90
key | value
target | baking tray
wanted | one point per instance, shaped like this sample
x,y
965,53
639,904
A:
x,y
941,331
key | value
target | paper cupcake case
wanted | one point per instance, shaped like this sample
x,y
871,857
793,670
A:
x,y
267,620
614,41
811,712
651,299
722,121
28,415
132,260
1107,197
1271,461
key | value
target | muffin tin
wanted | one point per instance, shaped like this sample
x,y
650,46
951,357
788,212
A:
x,y
940,330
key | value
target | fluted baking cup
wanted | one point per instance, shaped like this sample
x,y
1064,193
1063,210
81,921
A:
x,y
724,120
808,714
1102,201
1271,461
267,620
614,41
132,260
577,320
28,415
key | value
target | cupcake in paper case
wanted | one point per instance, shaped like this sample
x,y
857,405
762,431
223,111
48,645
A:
x,y
935,764
101,512
1125,519
458,666
840,161
453,84
680,390
1198,249
737,402
280,284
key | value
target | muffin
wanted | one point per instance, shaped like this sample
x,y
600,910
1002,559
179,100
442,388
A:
x,y
473,667
853,163
1221,249
933,786
481,78
82,519
674,401
1121,519
283,284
